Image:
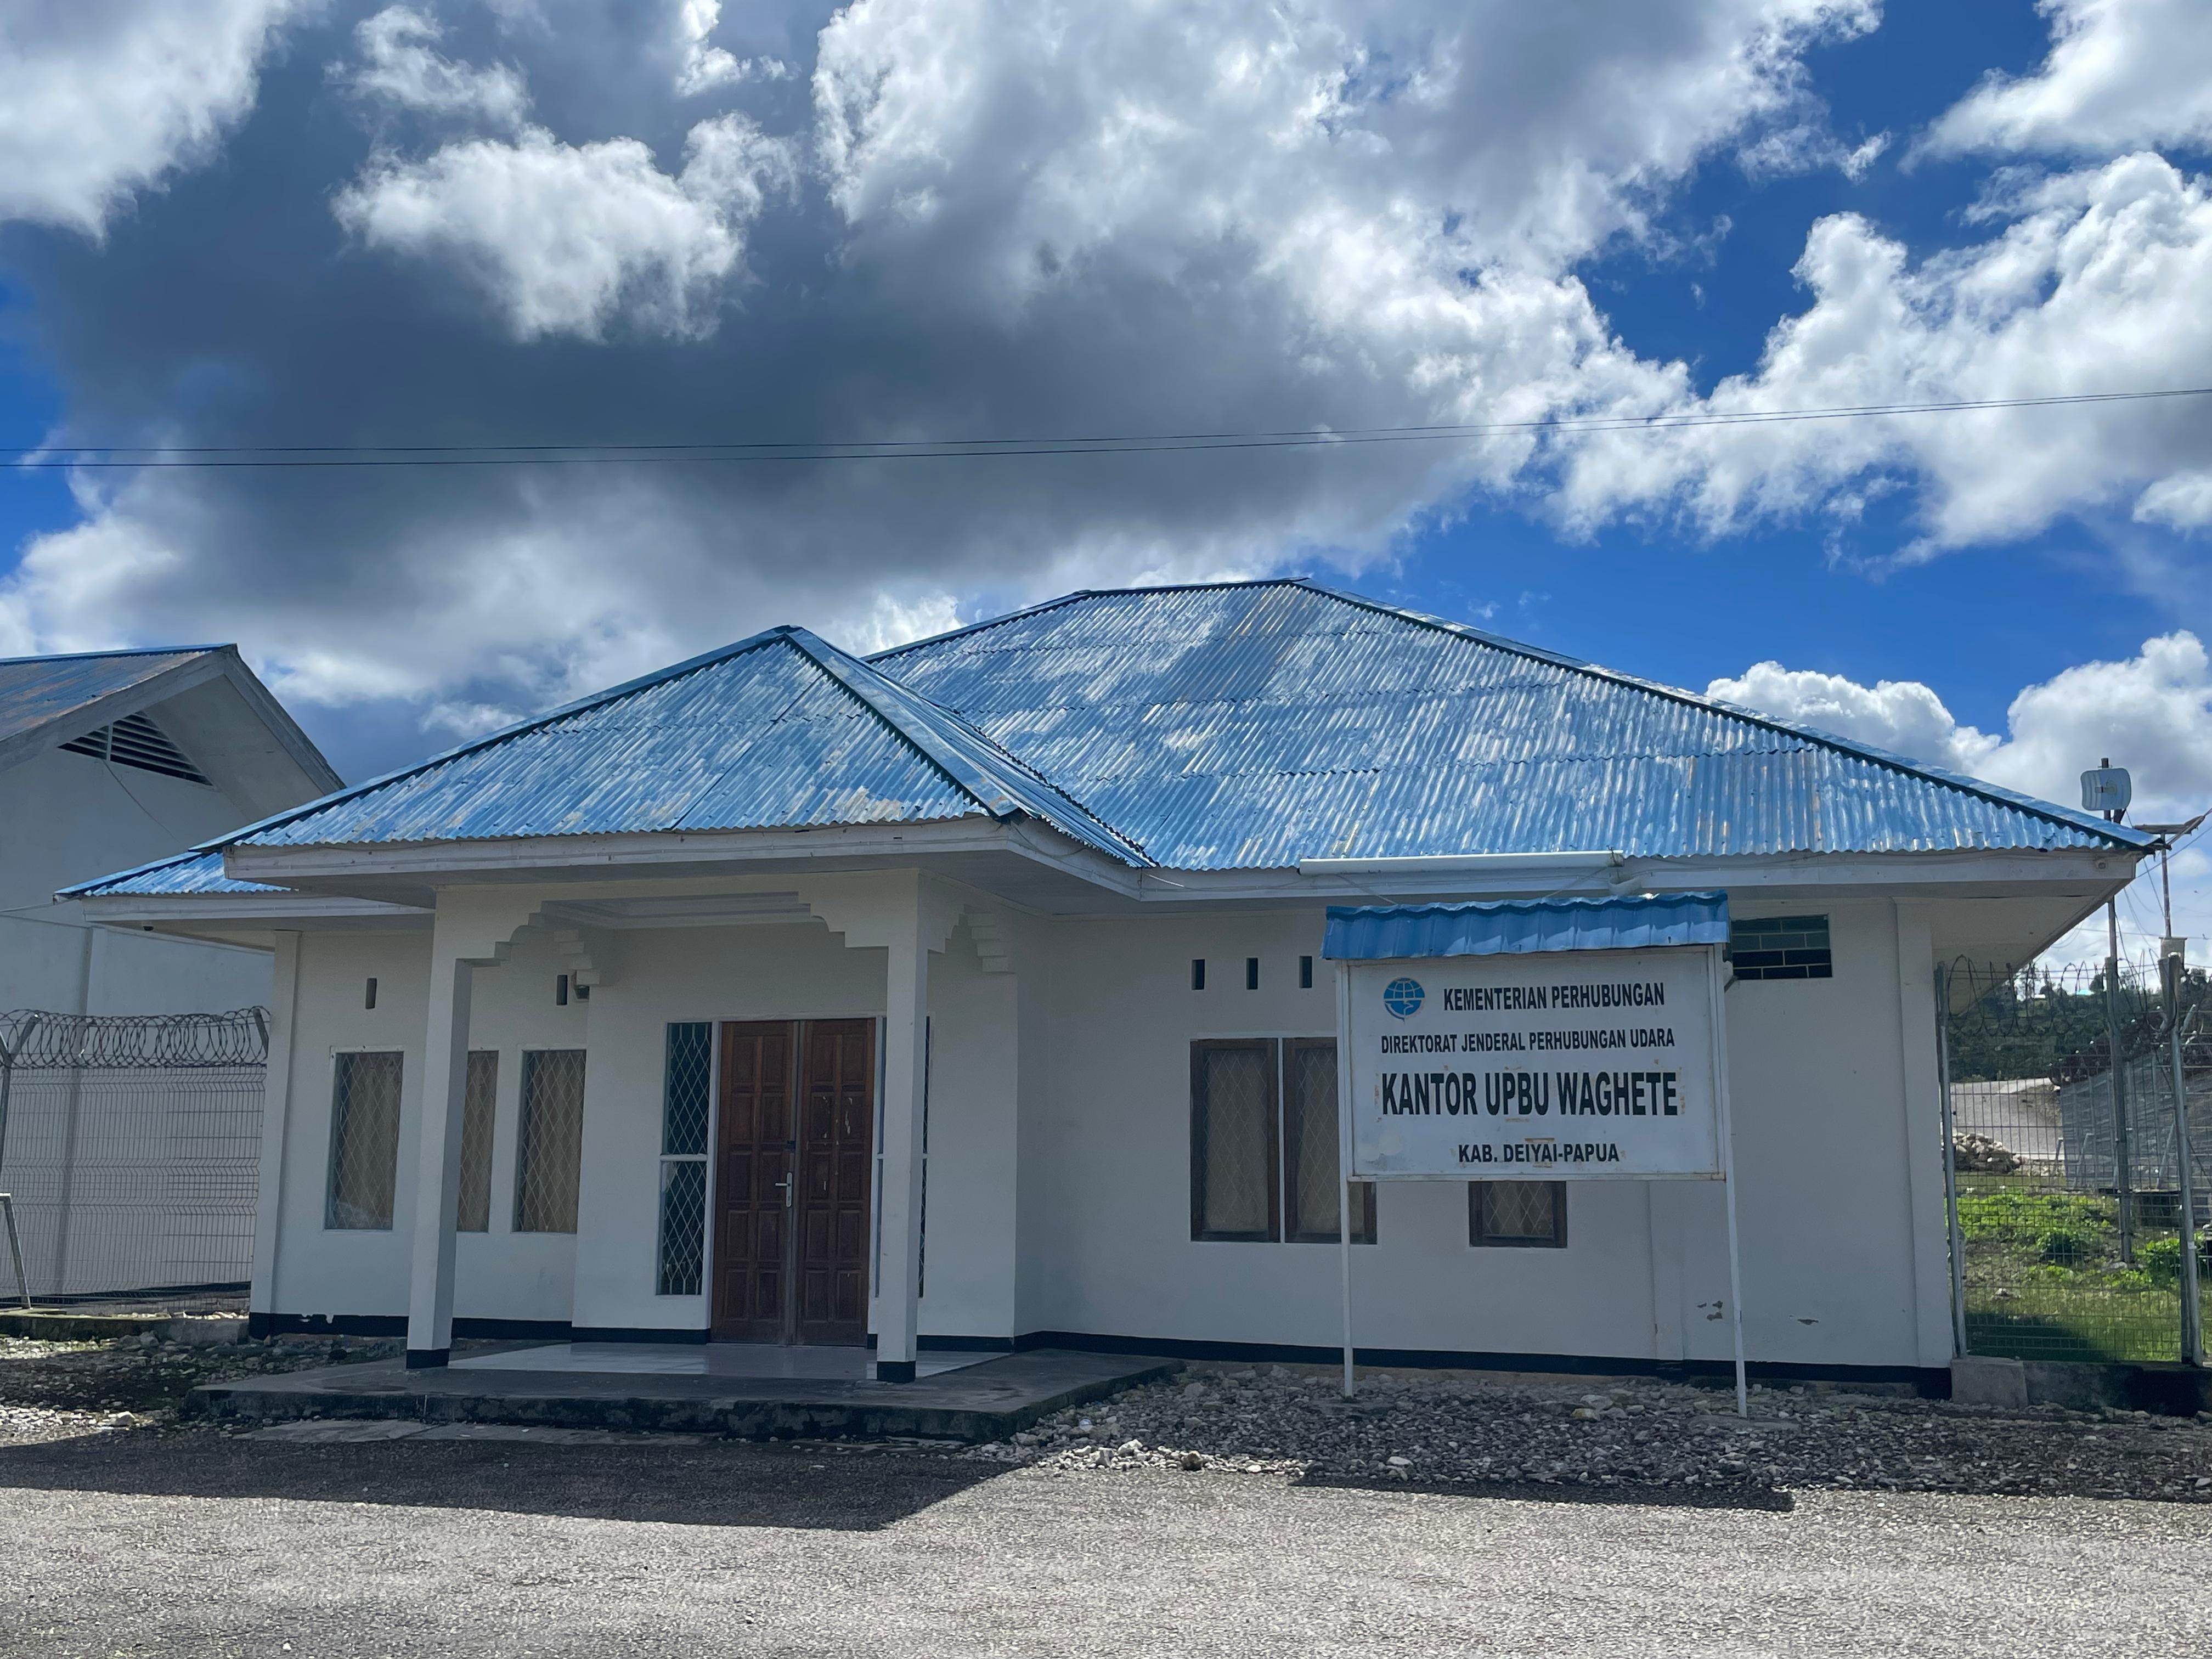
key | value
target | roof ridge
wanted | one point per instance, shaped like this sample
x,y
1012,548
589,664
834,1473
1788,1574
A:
x,y
1001,800
1075,597
416,768
2050,811
124,651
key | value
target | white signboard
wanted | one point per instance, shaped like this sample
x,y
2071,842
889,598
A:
x,y
1561,1065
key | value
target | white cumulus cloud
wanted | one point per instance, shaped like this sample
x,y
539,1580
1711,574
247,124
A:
x,y
2092,283
2121,73
99,100
563,238
398,66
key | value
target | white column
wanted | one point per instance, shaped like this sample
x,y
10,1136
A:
x,y
276,1121
906,1005
437,1181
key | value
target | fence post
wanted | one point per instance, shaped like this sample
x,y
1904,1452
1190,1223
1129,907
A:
x,y
2192,1327
1950,1163
2123,1147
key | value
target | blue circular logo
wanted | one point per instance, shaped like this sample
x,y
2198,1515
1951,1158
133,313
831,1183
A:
x,y
1402,997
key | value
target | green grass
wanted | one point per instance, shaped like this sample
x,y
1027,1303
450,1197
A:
x,y
2044,1279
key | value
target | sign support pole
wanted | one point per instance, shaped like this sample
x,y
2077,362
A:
x,y
1344,1157
1728,1174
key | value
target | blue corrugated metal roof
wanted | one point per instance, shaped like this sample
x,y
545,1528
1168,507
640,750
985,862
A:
x,y
1371,933
1253,725
36,690
185,876
1235,726
779,731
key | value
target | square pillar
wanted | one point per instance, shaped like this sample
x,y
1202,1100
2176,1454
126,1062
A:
x,y
438,1172
906,1005
276,1123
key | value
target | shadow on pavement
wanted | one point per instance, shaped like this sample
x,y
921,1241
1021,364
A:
x,y
715,1484
1536,1491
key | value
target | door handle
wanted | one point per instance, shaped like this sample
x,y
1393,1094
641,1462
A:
x,y
789,1196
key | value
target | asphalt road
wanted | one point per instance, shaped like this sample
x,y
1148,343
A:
x,y
198,1544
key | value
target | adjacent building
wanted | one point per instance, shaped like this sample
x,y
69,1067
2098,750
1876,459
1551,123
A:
x,y
113,758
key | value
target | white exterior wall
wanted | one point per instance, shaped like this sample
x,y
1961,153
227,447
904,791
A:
x,y
603,1278
1828,1208
1060,1154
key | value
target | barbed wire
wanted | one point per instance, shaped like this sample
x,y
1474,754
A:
x,y
34,1039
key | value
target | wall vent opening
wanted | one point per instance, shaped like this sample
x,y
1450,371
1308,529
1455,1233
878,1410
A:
x,y
134,740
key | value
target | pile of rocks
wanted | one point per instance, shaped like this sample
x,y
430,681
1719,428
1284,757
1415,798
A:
x,y
51,1390
1982,1155
1523,1432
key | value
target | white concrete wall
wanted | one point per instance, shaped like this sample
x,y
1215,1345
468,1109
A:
x,y
1059,1157
604,1277
500,1273
1826,1209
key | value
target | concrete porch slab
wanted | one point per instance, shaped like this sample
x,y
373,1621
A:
x,y
974,1403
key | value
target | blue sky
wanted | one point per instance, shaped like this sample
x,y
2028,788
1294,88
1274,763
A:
x,y
457,221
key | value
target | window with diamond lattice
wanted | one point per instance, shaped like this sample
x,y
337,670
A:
x,y
1263,1143
686,1109
1233,1146
364,1174
1517,1212
472,1206
550,1152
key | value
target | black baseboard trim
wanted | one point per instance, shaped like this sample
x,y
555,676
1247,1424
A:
x,y
894,1370
961,1343
1929,1382
512,1330
260,1325
635,1333
428,1359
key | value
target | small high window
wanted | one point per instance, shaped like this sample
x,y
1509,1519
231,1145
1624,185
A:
x,y
1781,947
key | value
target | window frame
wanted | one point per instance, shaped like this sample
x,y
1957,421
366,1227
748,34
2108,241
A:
x,y
489,1119
522,1145
341,1058
1477,1238
1271,1071
1283,1151
1817,961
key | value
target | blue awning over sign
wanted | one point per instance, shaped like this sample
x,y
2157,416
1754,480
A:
x,y
1372,932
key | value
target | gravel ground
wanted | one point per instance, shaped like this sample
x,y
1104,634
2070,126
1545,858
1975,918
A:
x,y
1431,1428
146,1543
52,1390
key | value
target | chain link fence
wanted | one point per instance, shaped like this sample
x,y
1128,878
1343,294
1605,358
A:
x,y
130,1145
2067,1156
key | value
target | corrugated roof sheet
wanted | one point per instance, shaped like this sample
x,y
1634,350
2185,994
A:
x,y
1253,725
780,731
1374,932
1237,726
34,690
185,876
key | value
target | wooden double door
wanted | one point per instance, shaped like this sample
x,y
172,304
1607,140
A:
x,y
794,1152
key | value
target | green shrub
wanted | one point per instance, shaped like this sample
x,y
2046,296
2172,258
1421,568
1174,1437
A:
x,y
2160,1260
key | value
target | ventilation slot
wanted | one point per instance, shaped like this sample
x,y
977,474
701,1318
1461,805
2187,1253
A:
x,y
134,740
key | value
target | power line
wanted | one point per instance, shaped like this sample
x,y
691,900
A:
x,y
601,454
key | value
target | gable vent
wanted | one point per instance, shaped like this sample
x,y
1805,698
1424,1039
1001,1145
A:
x,y
134,740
